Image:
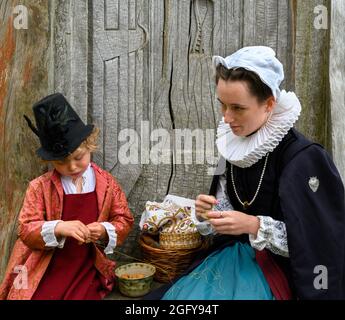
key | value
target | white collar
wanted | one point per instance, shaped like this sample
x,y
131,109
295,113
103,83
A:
x,y
89,182
245,151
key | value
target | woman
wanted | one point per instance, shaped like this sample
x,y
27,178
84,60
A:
x,y
277,210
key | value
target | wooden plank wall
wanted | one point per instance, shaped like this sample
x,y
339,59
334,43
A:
x,y
166,79
24,65
311,71
145,66
337,83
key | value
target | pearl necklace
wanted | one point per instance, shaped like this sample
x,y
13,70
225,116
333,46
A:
x,y
246,204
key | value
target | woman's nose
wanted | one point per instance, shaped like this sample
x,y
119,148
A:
x,y
228,117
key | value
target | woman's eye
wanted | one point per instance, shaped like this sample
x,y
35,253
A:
x,y
232,107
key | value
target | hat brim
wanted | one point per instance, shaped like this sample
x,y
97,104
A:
x,y
51,156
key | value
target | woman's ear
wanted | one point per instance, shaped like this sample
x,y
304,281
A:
x,y
270,104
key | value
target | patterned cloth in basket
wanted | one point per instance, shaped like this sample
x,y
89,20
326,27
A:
x,y
172,220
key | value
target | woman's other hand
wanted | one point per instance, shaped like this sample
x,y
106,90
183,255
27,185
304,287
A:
x,y
234,222
204,204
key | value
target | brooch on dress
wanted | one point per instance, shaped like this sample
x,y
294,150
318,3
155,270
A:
x,y
314,183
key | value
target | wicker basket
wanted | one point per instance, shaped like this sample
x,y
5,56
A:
x,y
170,240
169,263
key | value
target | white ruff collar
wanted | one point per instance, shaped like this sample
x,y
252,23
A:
x,y
245,151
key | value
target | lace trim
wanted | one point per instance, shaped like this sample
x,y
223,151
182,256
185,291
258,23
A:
x,y
271,235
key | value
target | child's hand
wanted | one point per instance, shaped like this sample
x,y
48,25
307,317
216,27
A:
x,y
97,231
75,229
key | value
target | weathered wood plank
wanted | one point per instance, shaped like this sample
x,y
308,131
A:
x,y
24,70
311,72
114,79
337,83
69,27
192,96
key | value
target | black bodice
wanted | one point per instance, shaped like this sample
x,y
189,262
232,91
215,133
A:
x,y
247,180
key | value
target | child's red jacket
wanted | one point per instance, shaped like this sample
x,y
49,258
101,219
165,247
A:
x,y
44,202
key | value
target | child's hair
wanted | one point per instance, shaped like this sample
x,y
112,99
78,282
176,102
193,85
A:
x,y
256,87
90,143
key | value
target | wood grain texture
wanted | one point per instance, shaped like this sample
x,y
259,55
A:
x,y
312,72
337,83
24,74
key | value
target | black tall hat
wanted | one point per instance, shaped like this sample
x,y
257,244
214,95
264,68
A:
x,y
59,128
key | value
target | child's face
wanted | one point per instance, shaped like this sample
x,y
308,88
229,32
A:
x,y
74,165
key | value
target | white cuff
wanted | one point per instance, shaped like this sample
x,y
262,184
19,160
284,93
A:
x,y
204,227
271,235
48,234
112,237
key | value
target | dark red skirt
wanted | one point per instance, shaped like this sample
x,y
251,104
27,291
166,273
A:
x,y
274,275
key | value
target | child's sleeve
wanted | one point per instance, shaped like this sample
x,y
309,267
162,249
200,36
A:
x,y
48,234
112,237
120,216
31,218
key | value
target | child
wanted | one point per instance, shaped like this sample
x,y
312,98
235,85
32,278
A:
x,y
67,213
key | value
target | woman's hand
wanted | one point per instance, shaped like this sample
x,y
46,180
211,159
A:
x,y
204,204
234,222
97,231
74,229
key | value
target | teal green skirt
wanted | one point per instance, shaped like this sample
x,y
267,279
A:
x,y
231,273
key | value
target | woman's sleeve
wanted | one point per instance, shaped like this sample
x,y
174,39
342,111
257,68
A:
x,y
271,235
120,215
312,201
32,218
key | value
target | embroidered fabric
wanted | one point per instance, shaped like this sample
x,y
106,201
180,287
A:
x,y
171,215
246,151
204,227
272,236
